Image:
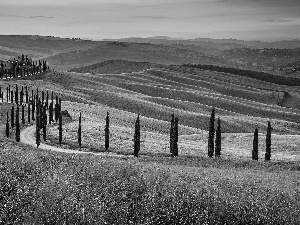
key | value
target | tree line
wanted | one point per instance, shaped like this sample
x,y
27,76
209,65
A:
x,y
21,67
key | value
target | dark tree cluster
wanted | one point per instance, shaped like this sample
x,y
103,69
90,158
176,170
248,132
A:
x,y
21,67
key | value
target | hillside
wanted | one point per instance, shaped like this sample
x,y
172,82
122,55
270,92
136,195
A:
x,y
115,66
39,46
111,186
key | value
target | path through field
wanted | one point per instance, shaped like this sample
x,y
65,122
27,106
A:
x,y
27,137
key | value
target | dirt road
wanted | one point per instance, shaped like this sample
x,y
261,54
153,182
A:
x,y
27,137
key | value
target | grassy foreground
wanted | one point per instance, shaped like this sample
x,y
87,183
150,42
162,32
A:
x,y
39,187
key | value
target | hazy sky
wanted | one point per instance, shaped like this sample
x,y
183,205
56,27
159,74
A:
x,y
98,19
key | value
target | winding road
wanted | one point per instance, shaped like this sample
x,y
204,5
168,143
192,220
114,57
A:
x,y
27,137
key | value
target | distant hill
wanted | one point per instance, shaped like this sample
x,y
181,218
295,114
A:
x,y
115,67
39,46
68,53
221,44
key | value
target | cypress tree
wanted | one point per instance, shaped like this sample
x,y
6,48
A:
x,y
136,138
47,100
42,114
218,139
79,131
7,126
107,132
28,112
211,134
12,96
268,142
17,124
43,97
172,133
60,129
12,117
44,123
21,96
23,114
17,95
175,140
37,128
33,107
26,90
7,94
51,112
37,93
255,145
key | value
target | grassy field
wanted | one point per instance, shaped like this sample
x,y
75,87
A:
x,y
41,187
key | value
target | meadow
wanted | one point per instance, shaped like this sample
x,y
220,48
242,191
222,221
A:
x,y
43,187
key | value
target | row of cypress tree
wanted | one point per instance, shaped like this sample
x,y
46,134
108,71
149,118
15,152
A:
x,y
215,147
39,107
37,111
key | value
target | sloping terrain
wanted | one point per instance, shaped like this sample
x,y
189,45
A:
x,y
39,46
115,66
242,103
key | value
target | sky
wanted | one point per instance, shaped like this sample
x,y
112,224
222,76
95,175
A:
x,y
105,19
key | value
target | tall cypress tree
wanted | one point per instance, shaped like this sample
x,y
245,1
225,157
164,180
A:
x,y
172,133
12,96
268,142
37,129
218,139
17,124
26,90
23,114
33,107
47,100
60,129
106,130
12,117
21,96
44,123
28,112
255,145
41,114
51,112
17,95
7,126
211,134
7,94
136,138
175,140
43,97
79,131
37,93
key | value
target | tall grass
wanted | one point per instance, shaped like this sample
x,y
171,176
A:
x,y
46,188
